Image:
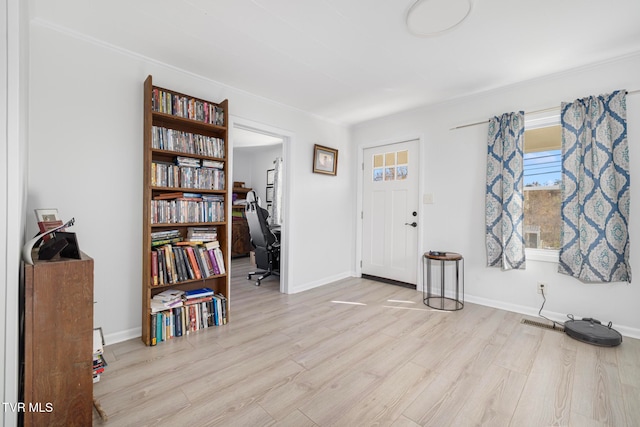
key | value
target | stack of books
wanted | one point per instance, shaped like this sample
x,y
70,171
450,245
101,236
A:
x,y
198,309
159,238
166,299
99,363
202,234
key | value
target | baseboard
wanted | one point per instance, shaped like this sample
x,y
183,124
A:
x,y
117,337
318,283
533,312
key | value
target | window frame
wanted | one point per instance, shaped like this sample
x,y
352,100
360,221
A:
x,y
541,119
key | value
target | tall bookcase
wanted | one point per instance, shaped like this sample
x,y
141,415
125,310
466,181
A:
x,y
179,125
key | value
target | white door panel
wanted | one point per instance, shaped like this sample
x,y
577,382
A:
x,y
390,198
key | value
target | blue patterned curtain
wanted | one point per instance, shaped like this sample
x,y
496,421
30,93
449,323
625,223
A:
x,y
504,200
595,189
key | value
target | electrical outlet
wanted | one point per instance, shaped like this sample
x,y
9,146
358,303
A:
x,y
542,287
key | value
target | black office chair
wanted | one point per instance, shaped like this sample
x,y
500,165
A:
x,y
263,239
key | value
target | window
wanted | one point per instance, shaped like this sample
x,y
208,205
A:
x,y
542,179
391,166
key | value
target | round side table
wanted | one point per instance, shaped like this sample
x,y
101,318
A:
x,y
446,299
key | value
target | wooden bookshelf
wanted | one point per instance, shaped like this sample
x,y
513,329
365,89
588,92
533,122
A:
x,y
203,124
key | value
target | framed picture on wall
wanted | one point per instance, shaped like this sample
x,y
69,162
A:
x,y
271,176
325,160
269,194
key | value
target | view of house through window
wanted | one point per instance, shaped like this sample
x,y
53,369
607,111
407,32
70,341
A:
x,y
542,179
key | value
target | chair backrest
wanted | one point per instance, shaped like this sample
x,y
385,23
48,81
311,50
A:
x,y
261,235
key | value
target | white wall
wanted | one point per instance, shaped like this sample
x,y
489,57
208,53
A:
x,y
85,153
454,164
243,167
257,160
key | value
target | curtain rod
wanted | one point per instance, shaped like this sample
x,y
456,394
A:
x,y
629,92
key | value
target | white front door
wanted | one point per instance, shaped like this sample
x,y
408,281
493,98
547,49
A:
x,y
390,211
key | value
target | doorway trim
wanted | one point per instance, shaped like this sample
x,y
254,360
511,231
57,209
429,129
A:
x,y
237,122
360,196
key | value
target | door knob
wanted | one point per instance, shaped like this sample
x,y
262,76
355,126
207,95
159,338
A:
x,y
413,224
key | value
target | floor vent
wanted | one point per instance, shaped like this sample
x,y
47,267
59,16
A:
x,y
558,328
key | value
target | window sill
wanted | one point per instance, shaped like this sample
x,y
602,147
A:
x,y
544,255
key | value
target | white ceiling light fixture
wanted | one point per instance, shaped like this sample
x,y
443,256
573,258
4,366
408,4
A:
x,y
430,18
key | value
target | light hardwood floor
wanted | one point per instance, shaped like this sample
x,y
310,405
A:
x,y
359,353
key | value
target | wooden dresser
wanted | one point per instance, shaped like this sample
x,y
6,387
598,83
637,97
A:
x,y
58,342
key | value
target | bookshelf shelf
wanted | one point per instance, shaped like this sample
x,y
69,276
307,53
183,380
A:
x,y
188,190
188,284
181,207
169,153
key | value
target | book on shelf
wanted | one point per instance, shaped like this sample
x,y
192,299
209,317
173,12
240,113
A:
x,y
181,270
192,318
193,263
205,262
161,238
188,161
154,329
158,305
215,164
169,196
214,247
178,195
177,322
169,295
166,241
165,234
161,268
198,293
189,266
154,268
170,264
197,300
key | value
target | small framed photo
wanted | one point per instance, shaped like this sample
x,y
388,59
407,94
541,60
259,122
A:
x,y
46,215
271,176
269,194
325,160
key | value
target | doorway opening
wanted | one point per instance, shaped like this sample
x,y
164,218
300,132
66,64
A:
x,y
258,151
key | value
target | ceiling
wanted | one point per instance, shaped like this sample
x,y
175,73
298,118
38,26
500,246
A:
x,y
354,60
